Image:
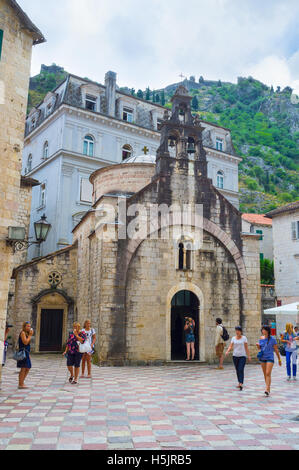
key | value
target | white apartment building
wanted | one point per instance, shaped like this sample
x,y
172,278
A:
x,y
260,225
82,126
286,252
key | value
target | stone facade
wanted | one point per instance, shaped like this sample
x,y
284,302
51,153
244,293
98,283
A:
x,y
35,277
19,34
136,290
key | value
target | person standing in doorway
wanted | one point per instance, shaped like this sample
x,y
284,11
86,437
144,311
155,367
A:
x,y
267,345
91,339
289,339
74,356
239,345
190,338
219,342
25,338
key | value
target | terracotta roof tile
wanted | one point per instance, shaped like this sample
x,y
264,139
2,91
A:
x,y
258,219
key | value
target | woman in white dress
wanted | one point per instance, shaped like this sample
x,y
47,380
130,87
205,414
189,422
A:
x,y
91,339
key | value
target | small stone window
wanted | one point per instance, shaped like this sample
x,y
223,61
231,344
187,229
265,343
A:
x,y
185,255
182,116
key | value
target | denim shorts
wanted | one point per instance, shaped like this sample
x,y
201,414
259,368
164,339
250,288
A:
x,y
267,360
190,338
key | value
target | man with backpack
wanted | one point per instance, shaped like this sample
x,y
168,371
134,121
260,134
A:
x,y
221,337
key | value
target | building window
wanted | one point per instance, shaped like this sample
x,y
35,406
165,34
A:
x,y
33,123
91,102
1,41
127,152
185,259
48,109
46,151
29,163
182,116
86,190
220,180
260,232
42,199
295,230
219,144
88,146
128,114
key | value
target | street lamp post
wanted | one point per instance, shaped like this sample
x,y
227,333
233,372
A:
x,y
16,235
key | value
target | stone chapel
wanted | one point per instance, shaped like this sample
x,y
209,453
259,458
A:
x,y
137,291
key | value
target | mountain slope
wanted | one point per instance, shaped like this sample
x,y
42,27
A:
x,y
264,125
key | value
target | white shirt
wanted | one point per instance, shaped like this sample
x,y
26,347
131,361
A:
x,y
219,333
239,346
89,335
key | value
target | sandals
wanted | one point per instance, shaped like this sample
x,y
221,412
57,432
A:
x,y
267,394
71,379
74,382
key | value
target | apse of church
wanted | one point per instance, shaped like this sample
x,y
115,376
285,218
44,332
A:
x,y
137,291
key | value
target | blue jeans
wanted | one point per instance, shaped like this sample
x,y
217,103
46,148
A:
x,y
291,357
240,363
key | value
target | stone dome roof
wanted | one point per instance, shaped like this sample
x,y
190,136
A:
x,y
141,159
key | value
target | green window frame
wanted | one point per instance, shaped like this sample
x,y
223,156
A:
x,y
260,232
1,42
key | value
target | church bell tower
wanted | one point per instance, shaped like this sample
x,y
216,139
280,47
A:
x,y
181,139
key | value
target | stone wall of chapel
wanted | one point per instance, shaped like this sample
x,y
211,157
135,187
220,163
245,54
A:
x,y
152,274
32,279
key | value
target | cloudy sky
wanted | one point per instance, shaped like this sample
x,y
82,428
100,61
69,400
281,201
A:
x,y
151,42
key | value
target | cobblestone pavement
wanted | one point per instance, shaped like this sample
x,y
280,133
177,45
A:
x,y
174,407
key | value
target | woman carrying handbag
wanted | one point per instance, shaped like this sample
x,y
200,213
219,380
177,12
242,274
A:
x,y
22,356
74,345
267,345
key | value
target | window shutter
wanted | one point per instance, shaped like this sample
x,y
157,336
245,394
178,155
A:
x,y
1,41
86,190
294,231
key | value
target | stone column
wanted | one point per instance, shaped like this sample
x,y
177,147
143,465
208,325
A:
x,y
251,291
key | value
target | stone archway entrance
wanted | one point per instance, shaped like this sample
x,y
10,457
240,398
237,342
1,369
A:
x,y
184,304
51,324
51,330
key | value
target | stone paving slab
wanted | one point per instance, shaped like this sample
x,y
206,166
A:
x,y
157,408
